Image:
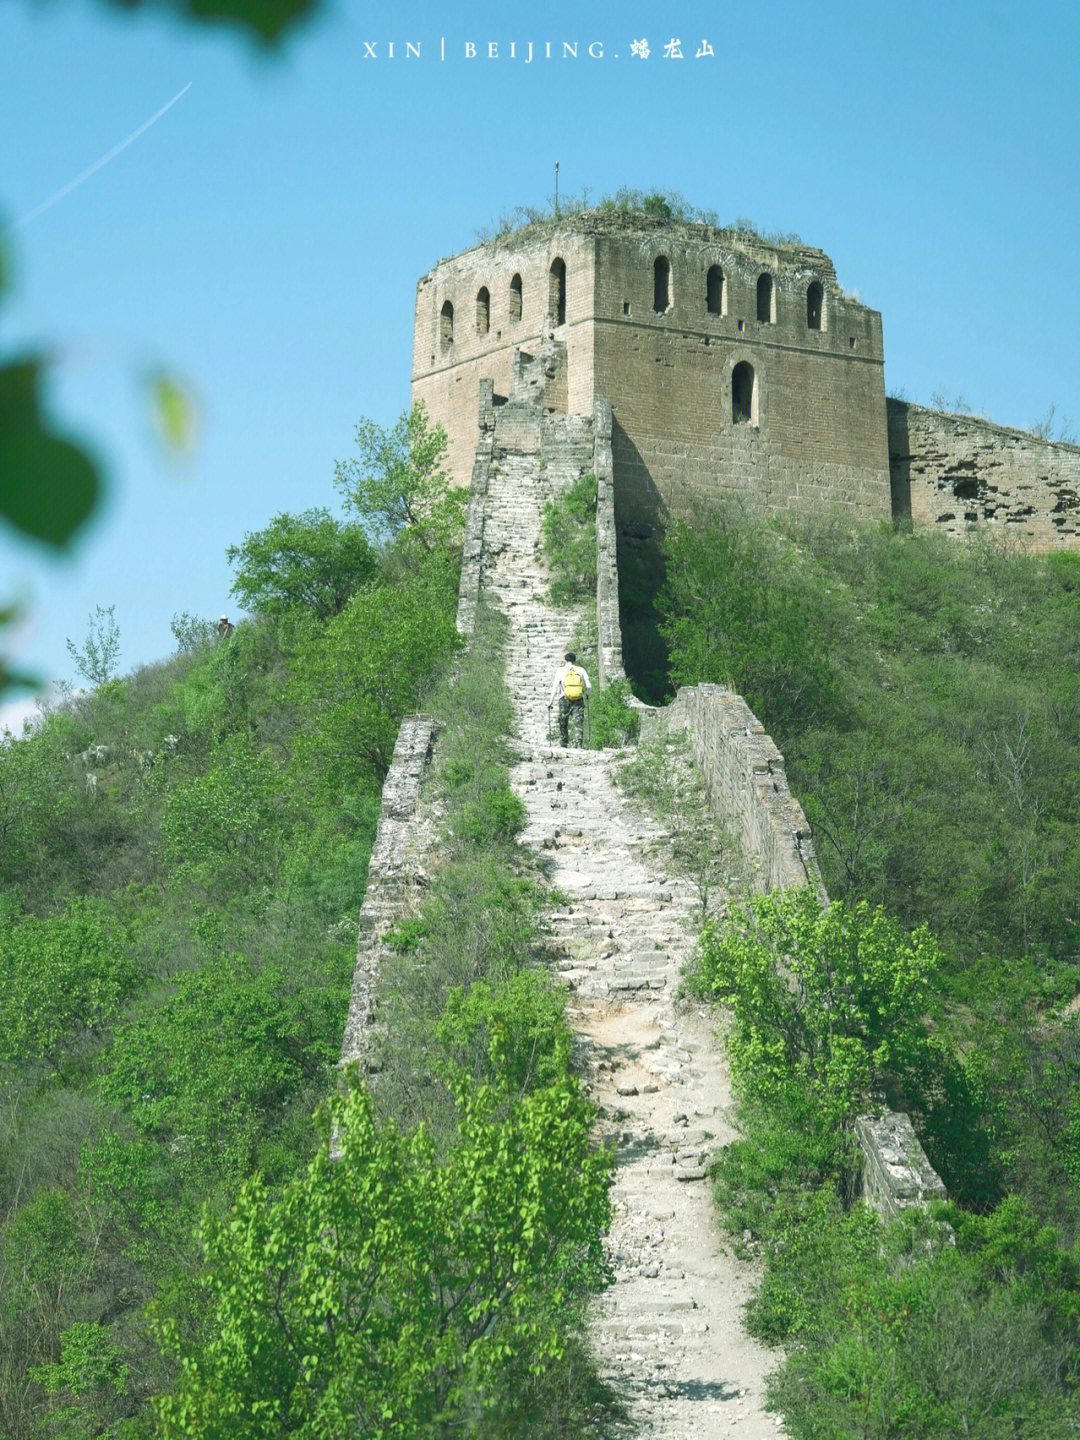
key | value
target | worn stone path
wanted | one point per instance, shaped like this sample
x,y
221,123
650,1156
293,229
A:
x,y
668,1333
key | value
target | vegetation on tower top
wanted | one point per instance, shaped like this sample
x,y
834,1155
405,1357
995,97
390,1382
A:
x,y
626,208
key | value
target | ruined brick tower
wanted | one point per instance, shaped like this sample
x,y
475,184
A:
x,y
731,365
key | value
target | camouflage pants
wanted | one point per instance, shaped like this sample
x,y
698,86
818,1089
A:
x,y
572,717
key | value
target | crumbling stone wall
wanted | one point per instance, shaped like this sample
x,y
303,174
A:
x,y
964,476
608,629
395,878
746,781
896,1172
472,551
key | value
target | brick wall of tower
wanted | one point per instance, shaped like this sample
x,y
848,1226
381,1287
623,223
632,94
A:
x,y
819,435
447,379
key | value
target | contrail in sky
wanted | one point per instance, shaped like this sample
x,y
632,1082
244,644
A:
x,y
74,184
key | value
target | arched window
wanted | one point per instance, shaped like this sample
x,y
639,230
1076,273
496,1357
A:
x,y
814,306
743,394
515,298
557,293
661,271
714,290
446,325
765,298
483,311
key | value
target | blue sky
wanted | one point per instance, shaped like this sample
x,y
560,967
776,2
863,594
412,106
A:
x,y
262,240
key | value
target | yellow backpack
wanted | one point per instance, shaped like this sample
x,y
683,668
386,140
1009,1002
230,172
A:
x,y
573,684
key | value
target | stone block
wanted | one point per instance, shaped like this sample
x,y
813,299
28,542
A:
x,y
896,1174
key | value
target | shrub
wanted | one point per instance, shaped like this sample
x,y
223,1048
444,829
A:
x,y
388,1291
612,719
59,976
897,1331
513,1033
730,620
496,815
570,542
826,1002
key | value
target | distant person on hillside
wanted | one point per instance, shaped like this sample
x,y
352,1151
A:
x,y
225,627
570,687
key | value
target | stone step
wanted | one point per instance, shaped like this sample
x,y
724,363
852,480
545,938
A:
x,y
667,1333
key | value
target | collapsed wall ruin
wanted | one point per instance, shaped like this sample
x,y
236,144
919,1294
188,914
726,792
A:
x,y
962,476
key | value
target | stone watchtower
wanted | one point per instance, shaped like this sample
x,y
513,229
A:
x,y
731,365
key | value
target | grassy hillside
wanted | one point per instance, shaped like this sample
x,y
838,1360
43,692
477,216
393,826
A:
x,y
183,854
182,857
925,698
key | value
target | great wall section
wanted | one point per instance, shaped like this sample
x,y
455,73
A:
x,y
667,1334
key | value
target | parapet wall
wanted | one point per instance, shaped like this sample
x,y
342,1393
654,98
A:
x,y
395,875
896,1172
745,778
472,551
966,476
608,629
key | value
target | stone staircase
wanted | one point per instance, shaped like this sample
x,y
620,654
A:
x,y
668,1332
535,457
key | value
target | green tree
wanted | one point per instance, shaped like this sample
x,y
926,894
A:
x,y
98,660
363,671
388,1294
50,1259
397,485
36,799
191,632
89,1378
223,827
310,560
59,976
210,1070
826,1002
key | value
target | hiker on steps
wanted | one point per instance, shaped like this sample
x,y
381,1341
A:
x,y
570,687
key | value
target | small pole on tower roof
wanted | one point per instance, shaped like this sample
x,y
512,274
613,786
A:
x,y
556,187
